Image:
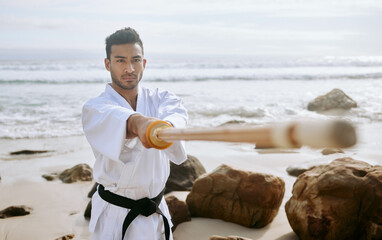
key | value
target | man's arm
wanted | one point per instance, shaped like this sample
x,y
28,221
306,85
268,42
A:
x,y
137,126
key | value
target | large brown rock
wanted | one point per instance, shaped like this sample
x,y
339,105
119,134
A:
x,y
335,99
80,172
246,198
182,176
340,200
178,210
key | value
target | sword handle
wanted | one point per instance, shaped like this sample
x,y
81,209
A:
x,y
152,134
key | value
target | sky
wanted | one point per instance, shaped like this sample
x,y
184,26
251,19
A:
x,y
201,27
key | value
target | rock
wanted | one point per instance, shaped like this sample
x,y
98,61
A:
x,y
80,172
295,171
67,237
28,152
182,176
246,198
15,211
88,211
328,151
178,210
233,122
340,200
215,237
335,99
50,177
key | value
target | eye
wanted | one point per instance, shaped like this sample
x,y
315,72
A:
x,y
120,60
137,60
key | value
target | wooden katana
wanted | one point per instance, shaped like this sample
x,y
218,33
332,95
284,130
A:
x,y
314,134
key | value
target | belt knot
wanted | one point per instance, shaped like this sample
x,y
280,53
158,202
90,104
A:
x,y
146,206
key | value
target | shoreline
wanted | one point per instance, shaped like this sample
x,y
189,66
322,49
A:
x,y
58,207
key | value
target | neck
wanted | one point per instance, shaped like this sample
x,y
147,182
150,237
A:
x,y
130,95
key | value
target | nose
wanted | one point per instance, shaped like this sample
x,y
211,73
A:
x,y
129,68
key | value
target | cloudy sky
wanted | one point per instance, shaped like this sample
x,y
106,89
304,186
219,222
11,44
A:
x,y
254,27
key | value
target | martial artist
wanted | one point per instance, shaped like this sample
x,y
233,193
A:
x,y
129,202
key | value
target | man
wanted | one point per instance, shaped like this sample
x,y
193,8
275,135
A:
x,y
129,203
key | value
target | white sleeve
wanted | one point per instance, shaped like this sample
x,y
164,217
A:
x,y
172,110
104,126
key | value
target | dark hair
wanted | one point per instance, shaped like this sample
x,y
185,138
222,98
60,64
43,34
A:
x,y
126,35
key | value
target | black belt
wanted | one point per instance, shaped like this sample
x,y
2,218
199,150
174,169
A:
x,y
143,206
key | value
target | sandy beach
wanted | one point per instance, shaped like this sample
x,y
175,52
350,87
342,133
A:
x,y
58,207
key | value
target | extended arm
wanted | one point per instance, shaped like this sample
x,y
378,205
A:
x,y
137,126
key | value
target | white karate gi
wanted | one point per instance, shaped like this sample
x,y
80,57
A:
x,y
124,166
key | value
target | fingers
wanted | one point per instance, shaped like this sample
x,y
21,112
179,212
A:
x,y
137,126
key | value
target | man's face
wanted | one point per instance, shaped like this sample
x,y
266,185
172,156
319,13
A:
x,y
126,65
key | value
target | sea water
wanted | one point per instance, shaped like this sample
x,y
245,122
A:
x,y
44,98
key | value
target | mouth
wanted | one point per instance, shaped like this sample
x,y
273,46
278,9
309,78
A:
x,y
128,78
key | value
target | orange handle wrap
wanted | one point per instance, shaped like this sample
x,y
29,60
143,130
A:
x,y
152,137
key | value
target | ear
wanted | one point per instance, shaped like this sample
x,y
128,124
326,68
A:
x,y
107,64
144,63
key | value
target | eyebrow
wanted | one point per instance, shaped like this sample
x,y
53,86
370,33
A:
x,y
135,57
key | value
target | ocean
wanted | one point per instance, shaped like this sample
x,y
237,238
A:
x,y
44,98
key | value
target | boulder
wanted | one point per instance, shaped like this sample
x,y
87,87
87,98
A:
x,y
246,198
182,176
335,99
215,237
296,169
340,200
80,172
15,211
178,211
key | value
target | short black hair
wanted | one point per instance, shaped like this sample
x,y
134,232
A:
x,y
122,36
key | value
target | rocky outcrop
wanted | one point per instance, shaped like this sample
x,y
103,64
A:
x,y
80,172
246,198
182,176
340,200
178,210
335,99
15,211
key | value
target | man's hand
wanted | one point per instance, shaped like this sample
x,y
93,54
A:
x,y
137,126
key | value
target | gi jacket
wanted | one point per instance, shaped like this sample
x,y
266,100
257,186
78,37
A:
x,y
124,166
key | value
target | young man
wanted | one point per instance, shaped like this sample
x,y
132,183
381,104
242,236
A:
x,y
129,203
